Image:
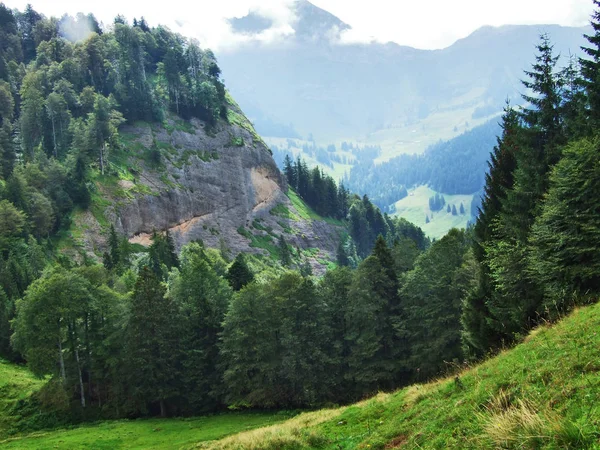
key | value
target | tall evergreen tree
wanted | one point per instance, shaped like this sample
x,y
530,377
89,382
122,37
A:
x,y
152,355
203,297
239,274
590,68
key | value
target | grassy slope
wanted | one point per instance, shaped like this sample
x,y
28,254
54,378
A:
x,y
16,383
542,394
415,207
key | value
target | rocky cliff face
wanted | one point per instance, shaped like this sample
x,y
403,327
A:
x,y
219,185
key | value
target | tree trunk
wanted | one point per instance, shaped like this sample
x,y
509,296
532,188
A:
x,y
102,158
81,391
63,374
54,138
163,409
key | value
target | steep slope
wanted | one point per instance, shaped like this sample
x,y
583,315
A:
x,y
216,184
541,394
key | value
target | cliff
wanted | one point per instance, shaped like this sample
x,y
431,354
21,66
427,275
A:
x,y
219,185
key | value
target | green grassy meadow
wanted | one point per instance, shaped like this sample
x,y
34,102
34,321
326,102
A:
x,y
415,207
142,434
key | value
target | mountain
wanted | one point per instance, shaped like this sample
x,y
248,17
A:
x,y
402,98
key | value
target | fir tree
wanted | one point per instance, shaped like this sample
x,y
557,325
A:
x,y
152,347
590,68
284,251
239,274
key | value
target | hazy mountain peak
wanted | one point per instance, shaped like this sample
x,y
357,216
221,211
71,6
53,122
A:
x,y
308,22
312,21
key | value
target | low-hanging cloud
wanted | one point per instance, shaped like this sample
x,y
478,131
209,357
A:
x,y
425,24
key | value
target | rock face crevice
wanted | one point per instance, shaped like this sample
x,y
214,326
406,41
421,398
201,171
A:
x,y
208,186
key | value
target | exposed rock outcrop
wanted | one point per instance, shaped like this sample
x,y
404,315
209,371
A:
x,y
219,185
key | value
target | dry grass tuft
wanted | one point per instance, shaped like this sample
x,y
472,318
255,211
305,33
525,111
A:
x,y
290,434
519,424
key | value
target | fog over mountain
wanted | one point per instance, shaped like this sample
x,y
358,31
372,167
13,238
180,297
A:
x,y
310,83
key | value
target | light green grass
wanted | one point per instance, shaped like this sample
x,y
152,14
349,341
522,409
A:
x,y
543,394
306,212
415,207
16,384
143,434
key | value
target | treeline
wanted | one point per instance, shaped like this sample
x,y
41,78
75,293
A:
x,y
327,156
453,167
366,221
165,334
537,232
317,189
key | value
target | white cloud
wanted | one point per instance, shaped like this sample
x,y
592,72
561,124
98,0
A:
x,y
431,24
421,24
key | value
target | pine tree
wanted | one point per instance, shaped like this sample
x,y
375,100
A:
x,y
516,298
151,348
565,235
239,274
454,211
334,287
342,255
478,335
114,247
590,69
203,297
289,170
284,251
432,299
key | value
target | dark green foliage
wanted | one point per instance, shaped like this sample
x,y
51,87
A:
x,y
163,255
152,356
431,298
239,274
334,288
565,235
437,202
317,189
275,344
284,252
590,70
203,297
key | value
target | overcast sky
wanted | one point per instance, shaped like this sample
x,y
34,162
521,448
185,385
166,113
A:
x,y
426,24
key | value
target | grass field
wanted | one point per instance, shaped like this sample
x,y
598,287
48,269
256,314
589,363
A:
x,y
543,394
142,434
415,207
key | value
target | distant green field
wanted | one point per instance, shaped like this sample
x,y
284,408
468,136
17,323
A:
x,y
143,434
415,207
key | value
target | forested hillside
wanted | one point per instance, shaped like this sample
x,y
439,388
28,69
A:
x,y
183,327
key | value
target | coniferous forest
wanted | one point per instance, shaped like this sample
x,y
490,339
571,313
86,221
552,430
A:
x,y
163,332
